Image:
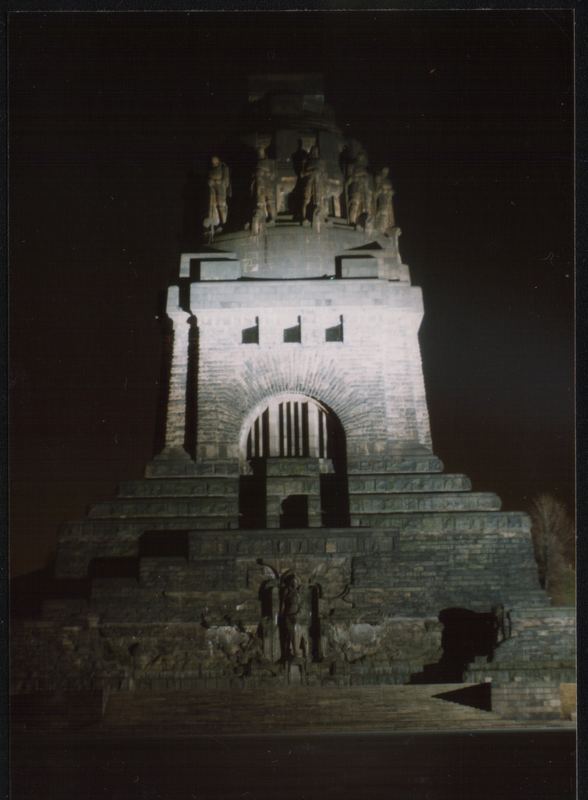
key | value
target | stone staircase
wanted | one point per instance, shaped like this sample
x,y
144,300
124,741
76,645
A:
x,y
296,710
55,711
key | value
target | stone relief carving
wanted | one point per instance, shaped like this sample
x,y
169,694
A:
x,y
323,635
287,615
294,619
391,640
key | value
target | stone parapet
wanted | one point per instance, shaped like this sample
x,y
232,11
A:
x,y
275,294
287,250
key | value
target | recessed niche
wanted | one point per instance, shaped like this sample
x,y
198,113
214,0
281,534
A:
x,y
335,332
251,335
293,334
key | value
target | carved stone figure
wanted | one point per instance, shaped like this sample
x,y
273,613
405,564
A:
x,y
383,194
263,188
289,610
359,190
294,619
219,186
314,184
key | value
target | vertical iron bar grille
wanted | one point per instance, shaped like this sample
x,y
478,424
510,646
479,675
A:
x,y
301,430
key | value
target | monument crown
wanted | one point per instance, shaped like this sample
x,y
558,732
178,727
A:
x,y
304,175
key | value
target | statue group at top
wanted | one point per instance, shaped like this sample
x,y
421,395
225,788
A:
x,y
316,198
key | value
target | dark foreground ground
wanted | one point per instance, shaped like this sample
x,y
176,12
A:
x,y
526,765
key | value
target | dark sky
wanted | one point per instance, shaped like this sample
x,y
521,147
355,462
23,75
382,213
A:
x,y
472,111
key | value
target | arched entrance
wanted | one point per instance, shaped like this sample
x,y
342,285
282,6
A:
x,y
293,436
289,426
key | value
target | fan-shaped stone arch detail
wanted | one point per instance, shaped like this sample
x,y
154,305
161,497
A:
x,y
286,425
225,412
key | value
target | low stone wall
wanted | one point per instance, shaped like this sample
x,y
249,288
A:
x,y
518,701
529,669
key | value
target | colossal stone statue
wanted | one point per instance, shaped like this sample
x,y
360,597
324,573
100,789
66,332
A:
x,y
383,194
314,183
359,190
263,186
219,186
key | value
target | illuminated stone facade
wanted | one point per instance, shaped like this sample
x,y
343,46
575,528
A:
x,y
297,526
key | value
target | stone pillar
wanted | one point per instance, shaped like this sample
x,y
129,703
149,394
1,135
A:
x,y
175,420
274,429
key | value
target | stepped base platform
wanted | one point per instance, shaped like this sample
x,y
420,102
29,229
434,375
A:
x,y
292,710
183,590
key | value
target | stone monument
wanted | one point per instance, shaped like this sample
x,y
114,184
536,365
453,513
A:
x,y
297,516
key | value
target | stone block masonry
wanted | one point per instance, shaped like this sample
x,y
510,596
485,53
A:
x,y
297,527
366,379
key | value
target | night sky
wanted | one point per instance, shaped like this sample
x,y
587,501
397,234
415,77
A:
x,y
109,114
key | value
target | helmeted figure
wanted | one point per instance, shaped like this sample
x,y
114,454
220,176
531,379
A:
x,y
383,194
219,186
314,183
263,186
359,190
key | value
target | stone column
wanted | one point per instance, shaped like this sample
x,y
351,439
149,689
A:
x,y
175,420
274,429
313,434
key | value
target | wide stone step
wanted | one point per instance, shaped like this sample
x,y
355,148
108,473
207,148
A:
x,y
415,503
181,487
162,507
162,467
425,482
447,522
52,711
379,465
296,709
